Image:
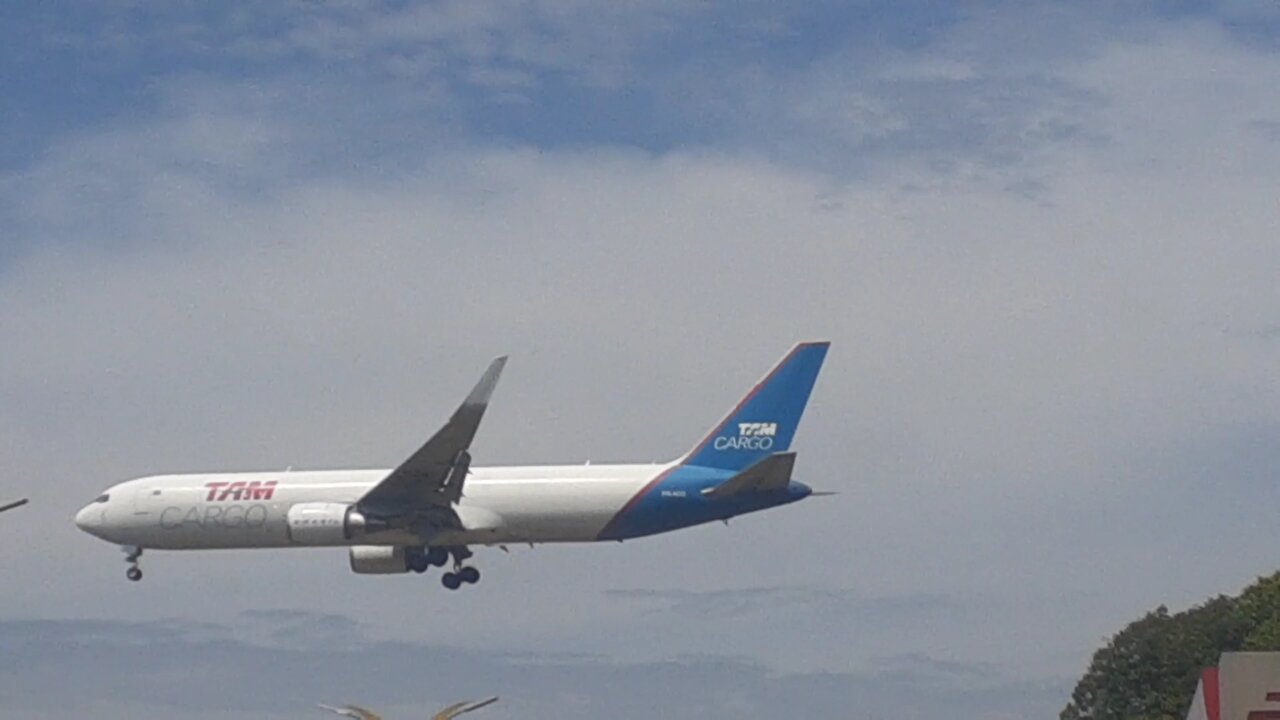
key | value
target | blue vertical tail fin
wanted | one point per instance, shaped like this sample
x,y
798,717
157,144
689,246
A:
x,y
765,421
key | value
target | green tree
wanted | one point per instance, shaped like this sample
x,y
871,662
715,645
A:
x,y
1148,671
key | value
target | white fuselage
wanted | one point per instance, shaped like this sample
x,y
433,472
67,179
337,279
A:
x,y
536,504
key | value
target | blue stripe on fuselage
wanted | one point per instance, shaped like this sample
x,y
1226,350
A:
x,y
674,500
762,423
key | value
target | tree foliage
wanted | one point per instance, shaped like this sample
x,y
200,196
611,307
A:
x,y
1149,670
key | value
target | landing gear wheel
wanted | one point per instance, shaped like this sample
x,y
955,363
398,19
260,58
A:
x,y
131,555
451,581
437,557
469,575
418,563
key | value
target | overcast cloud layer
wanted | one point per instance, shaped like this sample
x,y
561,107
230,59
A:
x,y
1042,239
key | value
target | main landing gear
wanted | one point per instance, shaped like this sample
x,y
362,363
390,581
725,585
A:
x,y
461,573
420,560
131,555
454,580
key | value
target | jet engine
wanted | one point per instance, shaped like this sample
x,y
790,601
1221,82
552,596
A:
x,y
378,559
321,523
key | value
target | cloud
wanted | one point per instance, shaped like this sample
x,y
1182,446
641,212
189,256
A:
x,y
1044,268
792,82
448,40
769,603
917,667
122,669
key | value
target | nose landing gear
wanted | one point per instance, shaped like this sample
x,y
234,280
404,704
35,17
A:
x,y
132,553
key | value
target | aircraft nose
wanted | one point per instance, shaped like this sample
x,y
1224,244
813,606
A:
x,y
91,518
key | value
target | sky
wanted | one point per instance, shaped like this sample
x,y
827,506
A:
x,y
1043,239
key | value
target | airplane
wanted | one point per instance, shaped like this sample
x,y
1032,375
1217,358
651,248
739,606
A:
x,y
435,505
453,711
14,504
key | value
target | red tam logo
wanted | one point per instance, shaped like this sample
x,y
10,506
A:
x,y
240,490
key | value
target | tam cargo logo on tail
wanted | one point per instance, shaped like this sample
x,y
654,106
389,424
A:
x,y
751,436
252,490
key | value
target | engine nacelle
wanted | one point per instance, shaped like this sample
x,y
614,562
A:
x,y
378,559
320,523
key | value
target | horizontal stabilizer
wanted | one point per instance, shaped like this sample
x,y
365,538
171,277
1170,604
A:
x,y
14,504
773,472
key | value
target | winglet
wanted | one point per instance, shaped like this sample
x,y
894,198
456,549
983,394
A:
x,y
483,390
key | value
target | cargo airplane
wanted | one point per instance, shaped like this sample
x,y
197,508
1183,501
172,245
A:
x,y
435,506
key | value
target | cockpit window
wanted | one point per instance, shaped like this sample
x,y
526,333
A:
x,y
103,498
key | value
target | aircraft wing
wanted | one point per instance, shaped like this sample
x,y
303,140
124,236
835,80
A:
x,y
14,504
433,476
